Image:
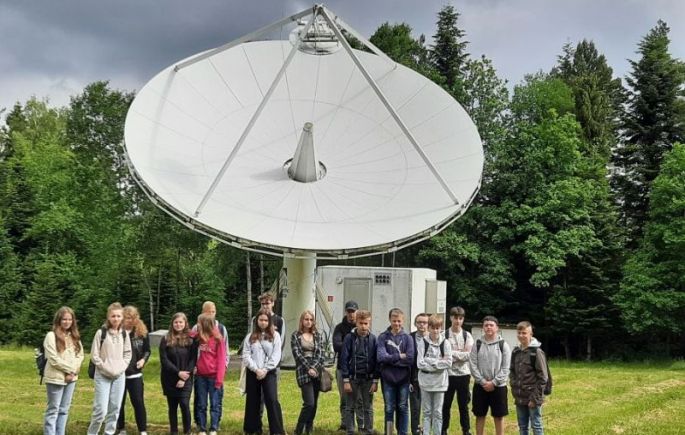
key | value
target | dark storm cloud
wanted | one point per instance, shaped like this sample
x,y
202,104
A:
x,y
54,48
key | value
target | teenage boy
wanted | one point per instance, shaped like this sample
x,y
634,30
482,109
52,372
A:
x,y
341,331
528,379
395,355
435,357
489,364
421,323
359,374
459,373
202,384
266,301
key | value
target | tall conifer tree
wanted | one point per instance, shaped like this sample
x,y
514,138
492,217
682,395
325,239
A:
x,y
449,54
654,120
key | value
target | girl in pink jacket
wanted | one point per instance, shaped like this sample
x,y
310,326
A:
x,y
210,371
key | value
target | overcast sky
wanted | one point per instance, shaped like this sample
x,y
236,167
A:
x,y
54,48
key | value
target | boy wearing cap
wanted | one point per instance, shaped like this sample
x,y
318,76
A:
x,y
341,330
489,365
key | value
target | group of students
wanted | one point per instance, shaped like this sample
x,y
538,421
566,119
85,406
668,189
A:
x,y
419,372
422,372
121,348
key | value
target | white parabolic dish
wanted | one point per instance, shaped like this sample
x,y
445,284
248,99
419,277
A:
x,y
378,193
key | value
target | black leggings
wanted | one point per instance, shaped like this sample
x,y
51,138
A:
x,y
174,403
135,388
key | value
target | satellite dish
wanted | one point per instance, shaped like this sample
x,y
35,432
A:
x,y
304,147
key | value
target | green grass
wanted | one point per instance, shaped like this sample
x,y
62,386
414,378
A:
x,y
588,398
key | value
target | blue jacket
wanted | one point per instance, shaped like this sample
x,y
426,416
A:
x,y
394,370
348,351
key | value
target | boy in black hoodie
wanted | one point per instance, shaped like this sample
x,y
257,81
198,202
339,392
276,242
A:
x,y
360,374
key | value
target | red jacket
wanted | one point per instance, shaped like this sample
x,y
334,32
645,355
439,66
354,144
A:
x,y
211,360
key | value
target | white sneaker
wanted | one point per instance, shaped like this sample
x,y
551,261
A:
x,y
143,433
212,432
202,433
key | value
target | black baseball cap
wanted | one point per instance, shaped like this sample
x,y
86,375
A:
x,y
351,306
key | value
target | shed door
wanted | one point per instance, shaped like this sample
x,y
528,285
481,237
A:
x,y
358,290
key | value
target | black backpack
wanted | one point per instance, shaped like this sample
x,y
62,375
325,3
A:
x,y
532,353
442,347
463,334
501,345
41,361
103,335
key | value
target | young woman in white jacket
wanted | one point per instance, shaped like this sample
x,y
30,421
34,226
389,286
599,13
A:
x,y
261,355
111,355
64,352
434,357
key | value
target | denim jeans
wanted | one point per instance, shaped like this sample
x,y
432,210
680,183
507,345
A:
x,y
106,403
204,387
396,398
57,411
359,404
524,414
431,402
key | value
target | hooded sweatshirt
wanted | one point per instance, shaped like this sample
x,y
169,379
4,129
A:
x,y
490,364
395,370
432,364
528,381
113,357
211,361
358,357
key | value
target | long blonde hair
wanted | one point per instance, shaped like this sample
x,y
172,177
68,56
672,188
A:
x,y
138,327
60,336
301,327
206,328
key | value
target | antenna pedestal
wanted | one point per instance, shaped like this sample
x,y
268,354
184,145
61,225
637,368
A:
x,y
300,297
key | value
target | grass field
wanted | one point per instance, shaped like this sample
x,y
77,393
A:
x,y
588,398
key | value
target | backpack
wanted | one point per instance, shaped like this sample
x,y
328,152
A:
x,y
501,345
442,347
41,361
463,334
103,335
532,353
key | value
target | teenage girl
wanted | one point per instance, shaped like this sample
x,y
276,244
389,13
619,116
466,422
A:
x,y
178,354
64,352
140,353
261,355
111,355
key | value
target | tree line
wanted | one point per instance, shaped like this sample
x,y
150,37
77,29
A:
x,y
579,226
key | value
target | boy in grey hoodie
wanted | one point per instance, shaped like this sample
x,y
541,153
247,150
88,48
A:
x,y
489,364
528,379
434,358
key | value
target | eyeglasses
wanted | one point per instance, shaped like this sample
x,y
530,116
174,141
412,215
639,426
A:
x,y
267,303
421,323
